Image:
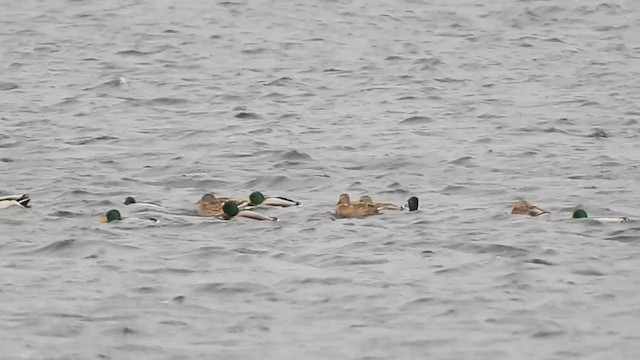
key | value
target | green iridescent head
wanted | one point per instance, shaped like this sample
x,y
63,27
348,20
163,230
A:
x,y
112,215
230,209
256,198
579,214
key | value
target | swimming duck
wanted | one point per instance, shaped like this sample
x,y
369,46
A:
x,y
346,209
114,215
231,210
14,200
142,204
209,206
522,207
582,214
412,204
257,198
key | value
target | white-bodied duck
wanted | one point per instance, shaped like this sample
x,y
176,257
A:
x,y
14,200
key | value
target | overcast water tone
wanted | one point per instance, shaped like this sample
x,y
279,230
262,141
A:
x,y
468,105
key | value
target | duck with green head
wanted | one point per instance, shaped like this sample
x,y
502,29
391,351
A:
x,y
257,198
21,200
231,210
582,214
114,215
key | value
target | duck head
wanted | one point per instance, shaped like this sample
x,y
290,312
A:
x,y
112,215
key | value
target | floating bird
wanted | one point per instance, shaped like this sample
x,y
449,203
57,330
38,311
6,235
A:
x,y
14,200
257,198
114,215
231,210
582,214
346,209
522,207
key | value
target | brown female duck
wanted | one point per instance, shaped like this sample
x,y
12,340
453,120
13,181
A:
x,y
522,207
346,209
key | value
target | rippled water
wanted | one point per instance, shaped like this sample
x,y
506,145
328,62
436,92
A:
x,y
468,105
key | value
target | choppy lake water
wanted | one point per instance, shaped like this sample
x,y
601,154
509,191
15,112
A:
x,y
468,105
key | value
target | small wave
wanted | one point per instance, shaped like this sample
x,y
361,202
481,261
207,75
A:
x,y
132,53
449,80
588,272
6,160
322,281
86,141
55,247
539,262
65,214
294,155
247,115
417,120
6,86
283,81
254,51
340,260
167,101
248,251
231,288
108,84
465,160
503,250
598,133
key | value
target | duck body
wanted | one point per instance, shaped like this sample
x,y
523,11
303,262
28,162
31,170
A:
x,y
21,200
255,215
346,209
522,207
582,214
256,198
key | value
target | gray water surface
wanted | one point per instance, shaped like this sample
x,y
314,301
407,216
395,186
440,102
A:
x,y
468,105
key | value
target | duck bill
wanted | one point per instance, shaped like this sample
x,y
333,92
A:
x,y
256,216
104,219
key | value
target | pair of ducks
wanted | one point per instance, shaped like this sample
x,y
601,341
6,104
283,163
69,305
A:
x,y
228,208
365,206
522,207
223,208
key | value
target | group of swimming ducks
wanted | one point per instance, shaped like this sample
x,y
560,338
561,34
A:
x,y
227,208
